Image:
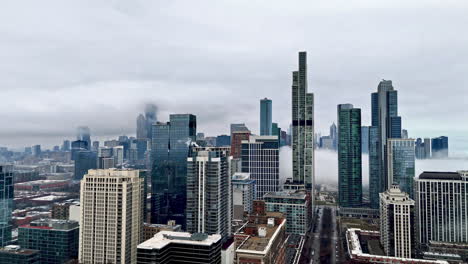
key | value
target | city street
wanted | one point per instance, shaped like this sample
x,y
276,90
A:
x,y
325,244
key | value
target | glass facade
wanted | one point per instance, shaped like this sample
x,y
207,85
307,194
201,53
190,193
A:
x,y
170,148
349,156
401,164
374,167
265,117
6,203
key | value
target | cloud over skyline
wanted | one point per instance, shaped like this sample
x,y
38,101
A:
x,y
66,64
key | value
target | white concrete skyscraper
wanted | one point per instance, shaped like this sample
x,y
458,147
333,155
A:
x,y
302,128
112,203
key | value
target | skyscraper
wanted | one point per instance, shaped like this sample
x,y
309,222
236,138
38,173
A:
x,y
83,133
440,147
441,203
170,149
387,124
243,194
6,203
349,156
84,160
239,128
111,215
236,142
396,223
265,117
260,158
365,139
151,119
401,164
427,147
334,136
303,128
209,192
141,125
57,240
66,145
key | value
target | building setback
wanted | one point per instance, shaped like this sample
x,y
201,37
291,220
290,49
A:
x,y
209,192
385,124
57,240
441,204
168,247
112,203
396,223
260,158
349,156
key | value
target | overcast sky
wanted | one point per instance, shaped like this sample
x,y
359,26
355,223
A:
x,y
96,63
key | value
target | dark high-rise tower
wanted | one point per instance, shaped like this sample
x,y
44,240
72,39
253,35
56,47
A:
x,y
170,149
349,156
6,203
83,133
150,117
440,147
265,117
385,124
141,131
302,127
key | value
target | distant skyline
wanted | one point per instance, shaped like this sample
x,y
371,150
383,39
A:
x,y
97,64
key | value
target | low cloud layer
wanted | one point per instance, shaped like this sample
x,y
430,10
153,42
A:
x,y
326,165
93,63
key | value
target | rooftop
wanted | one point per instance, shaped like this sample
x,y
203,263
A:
x,y
299,194
17,250
52,224
164,238
255,243
439,175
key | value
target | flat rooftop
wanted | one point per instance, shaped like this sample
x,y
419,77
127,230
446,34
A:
x,y
257,243
439,175
164,238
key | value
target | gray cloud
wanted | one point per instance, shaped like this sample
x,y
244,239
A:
x,y
96,63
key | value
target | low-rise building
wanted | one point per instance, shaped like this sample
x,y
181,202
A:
x,y
18,255
168,247
262,238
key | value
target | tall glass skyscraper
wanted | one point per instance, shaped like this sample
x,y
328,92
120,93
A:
x,y
401,164
265,117
440,147
349,156
303,127
84,133
6,203
385,124
170,148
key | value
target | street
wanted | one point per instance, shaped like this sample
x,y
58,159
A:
x,y
325,243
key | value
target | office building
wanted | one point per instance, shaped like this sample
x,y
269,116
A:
x,y
111,203
441,203
150,230
260,158
95,147
36,150
419,150
385,124
170,148
83,133
209,192
243,194
57,240
241,127
396,223
427,147
440,147
266,117
60,211
295,206
17,255
6,203
372,252
105,158
66,145
365,139
302,128
334,135
401,164
223,141
141,126
151,119
168,247
262,239
404,134
349,156
236,142
118,154
84,160
76,146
